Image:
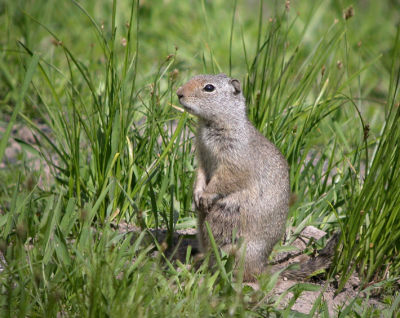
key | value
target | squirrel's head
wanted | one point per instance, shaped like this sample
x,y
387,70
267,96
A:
x,y
213,97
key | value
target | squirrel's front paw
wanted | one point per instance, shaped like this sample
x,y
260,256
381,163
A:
x,y
206,200
196,197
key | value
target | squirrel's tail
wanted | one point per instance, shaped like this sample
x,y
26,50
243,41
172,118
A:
x,y
314,264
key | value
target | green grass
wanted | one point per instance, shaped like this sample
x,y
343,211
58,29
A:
x,y
102,76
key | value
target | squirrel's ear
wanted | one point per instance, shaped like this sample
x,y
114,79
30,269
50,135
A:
x,y
236,85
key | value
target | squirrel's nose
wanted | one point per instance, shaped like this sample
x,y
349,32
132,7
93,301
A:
x,y
179,92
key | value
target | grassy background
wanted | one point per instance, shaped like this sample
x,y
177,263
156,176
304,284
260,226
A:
x,y
95,82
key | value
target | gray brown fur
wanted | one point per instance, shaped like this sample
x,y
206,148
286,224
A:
x,y
242,182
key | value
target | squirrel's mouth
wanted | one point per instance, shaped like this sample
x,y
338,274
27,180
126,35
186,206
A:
x,y
185,106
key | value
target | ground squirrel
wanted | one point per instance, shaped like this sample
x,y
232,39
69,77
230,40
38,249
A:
x,y
242,183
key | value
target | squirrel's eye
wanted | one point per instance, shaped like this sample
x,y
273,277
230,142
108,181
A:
x,y
209,88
